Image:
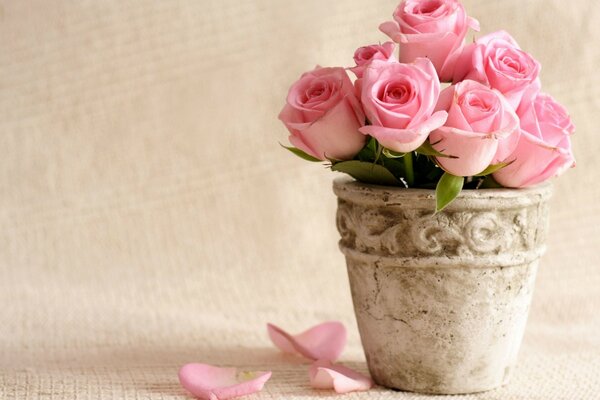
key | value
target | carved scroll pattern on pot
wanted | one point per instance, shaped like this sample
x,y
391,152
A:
x,y
461,233
360,226
468,233
344,220
431,235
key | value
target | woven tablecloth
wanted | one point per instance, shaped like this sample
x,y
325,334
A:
x,y
149,218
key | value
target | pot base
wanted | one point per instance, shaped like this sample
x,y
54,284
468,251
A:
x,y
441,330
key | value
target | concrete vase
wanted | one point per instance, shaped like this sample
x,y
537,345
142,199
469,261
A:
x,y
441,300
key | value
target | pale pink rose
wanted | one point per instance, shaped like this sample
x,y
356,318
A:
x,y
364,55
496,60
399,101
430,28
323,115
482,128
544,149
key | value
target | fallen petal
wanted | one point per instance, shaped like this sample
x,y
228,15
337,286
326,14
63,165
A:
x,y
321,342
213,383
325,375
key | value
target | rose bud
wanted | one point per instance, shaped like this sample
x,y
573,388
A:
x,y
481,128
399,101
544,148
430,28
497,61
364,55
323,115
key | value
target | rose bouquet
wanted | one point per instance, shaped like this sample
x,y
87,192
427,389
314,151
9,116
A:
x,y
396,125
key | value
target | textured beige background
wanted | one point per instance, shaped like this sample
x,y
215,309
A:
x,y
149,218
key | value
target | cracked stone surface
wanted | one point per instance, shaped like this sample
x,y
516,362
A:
x,y
441,300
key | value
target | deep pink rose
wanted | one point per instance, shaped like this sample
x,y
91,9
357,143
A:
x,y
481,129
399,101
544,149
323,115
497,61
430,28
364,55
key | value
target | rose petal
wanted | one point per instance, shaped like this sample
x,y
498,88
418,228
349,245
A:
x,y
406,140
437,47
508,139
391,29
535,162
434,122
474,151
336,134
208,382
324,375
400,140
473,23
498,35
300,144
324,341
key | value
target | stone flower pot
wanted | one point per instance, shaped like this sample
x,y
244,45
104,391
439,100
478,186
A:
x,y
441,300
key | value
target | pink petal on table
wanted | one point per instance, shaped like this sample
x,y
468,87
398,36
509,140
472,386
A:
x,y
321,342
325,375
213,383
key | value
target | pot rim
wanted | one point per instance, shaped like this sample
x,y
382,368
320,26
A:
x,y
348,189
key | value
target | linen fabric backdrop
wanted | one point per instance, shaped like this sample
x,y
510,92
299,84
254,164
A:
x,y
150,218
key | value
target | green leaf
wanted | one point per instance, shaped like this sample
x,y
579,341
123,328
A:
x,y
493,168
448,187
372,144
392,154
368,152
378,153
301,154
367,172
427,149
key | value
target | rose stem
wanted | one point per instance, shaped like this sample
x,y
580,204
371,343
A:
x,y
408,166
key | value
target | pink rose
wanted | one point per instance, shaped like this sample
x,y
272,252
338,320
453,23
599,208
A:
x,y
323,115
399,101
497,61
481,129
364,55
432,29
544,149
